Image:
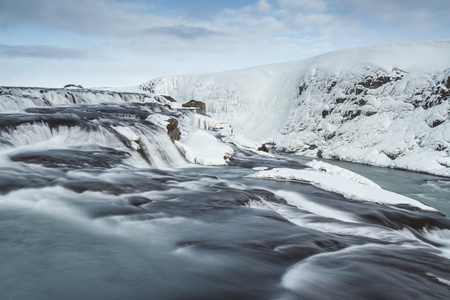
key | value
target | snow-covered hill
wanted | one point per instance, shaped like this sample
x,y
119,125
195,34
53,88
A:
x,y
384,105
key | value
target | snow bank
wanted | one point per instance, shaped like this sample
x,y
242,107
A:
x,y
341,172
340,185
385,106
202,148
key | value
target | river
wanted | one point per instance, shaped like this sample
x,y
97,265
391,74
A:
x,y
96,202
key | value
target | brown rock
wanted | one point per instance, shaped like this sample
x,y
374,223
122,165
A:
x,y
263,148
172,130
201,107
169,98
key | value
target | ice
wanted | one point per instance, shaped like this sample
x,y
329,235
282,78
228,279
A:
x,y
347,188
130,134
202,148
208,123
341,172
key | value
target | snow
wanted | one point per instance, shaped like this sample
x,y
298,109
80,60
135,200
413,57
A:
x,y
208,123
382,105
341,172
245,143
260,168
125,89
200,147
348,188
129,134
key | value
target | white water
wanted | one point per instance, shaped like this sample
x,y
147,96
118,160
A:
x,y
96,202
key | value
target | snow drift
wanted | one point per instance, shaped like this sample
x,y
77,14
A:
x,y
385,105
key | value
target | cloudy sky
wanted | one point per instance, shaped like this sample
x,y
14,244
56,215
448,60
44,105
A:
x,y
97,43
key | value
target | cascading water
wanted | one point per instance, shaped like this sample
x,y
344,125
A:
x,y
92,126
96,202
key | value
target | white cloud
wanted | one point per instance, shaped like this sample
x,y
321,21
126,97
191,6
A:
x,y
205,38
264,6
39,51
319,22
86,16
409,16
304,5
184,32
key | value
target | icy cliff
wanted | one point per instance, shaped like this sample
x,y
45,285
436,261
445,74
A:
x,y
384,105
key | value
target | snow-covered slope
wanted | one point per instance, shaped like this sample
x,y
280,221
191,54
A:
x,y
384,105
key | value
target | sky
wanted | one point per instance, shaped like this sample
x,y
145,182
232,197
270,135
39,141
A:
x,y
116,43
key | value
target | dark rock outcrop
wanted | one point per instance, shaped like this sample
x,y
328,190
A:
x,y
374,83
73,86
263,148
169,98
138,200
302,88
201,107
172,130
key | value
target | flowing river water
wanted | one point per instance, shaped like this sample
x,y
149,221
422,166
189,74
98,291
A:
x,y
86,212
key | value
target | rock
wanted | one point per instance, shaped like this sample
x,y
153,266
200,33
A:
x,y
138,200
302,88
169,98
359,89
437,123
263,148
172,130
73,86
201,107
333,84
374,83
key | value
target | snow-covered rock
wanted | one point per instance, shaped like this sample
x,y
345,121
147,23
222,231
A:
x,y
384,105
341,172
348,188
129,134
203,148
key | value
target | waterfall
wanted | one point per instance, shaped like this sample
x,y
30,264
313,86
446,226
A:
x,y
39,123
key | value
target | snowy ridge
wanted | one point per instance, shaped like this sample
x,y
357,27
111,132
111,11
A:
x,y
385,105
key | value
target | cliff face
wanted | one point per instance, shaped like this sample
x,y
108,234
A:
x,y
385,106
395,119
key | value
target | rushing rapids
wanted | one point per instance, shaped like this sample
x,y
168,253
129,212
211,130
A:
x,y
97,202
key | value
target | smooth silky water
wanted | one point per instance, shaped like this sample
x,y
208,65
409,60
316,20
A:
x,y
89,213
